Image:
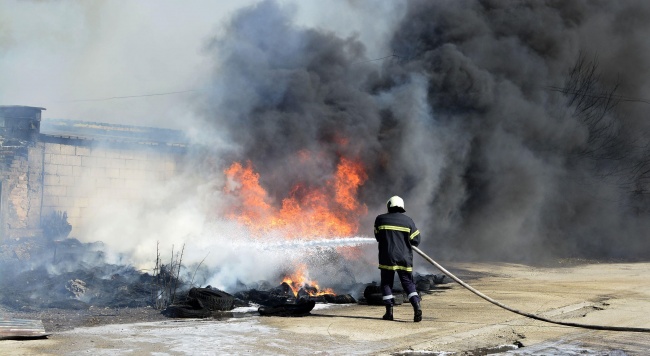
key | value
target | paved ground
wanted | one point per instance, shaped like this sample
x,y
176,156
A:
x,y
455,321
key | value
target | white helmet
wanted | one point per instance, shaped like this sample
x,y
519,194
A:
x,y
395,202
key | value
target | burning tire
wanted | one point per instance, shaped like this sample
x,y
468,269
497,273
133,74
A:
x,y
439,279
266,298
432,278
339,299
213,299
299,309
423,285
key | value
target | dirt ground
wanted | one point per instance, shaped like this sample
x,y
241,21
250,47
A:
x,y
455,321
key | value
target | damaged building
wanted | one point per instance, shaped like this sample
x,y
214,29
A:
x,y
54,171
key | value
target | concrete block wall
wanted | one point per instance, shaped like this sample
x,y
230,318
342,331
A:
x,y
78,179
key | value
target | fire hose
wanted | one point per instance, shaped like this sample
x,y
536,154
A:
x,y
529,315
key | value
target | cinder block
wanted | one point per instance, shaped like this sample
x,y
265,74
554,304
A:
x,y
81,202
98,172
73,160
85,180
58,159
50,200
117,184
68,150
55,190
151,175
78,171
98,152
141,155
81,190
105,193
99,161
112,163
82,151
135,186
53,148
125,173
50,179
140,164
65,203
130,164
63,170
67,181
50,169
112,172
170,166
108,162
102,182
88,161
35,153
126,154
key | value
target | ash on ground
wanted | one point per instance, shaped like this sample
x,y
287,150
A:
x,y
67,284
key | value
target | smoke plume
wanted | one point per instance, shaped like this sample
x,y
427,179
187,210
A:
x,y
510,130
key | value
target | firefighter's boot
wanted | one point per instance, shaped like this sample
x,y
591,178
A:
x,y
389,313
417,311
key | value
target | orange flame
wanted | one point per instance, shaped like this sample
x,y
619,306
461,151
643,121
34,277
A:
x,y
300,279
252,196
305,213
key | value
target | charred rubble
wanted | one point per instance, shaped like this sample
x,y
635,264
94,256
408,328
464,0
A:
x,y
67,274
271,301
281,300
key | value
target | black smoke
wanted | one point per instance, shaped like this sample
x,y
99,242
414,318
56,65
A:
x,y
511,129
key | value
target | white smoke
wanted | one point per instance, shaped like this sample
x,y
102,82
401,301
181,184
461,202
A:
x,y
64,55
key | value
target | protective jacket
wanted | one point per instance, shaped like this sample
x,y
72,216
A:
x,y
396,233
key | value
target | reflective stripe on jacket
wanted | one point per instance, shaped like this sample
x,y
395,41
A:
x,y
396,233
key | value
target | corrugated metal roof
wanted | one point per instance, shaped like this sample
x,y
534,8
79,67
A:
x,y
113,132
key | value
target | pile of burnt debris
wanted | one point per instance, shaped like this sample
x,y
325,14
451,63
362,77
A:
x,y
39,274
67,274
278,301
283,301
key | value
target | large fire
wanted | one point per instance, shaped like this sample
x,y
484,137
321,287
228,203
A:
x,y
308,212
327,211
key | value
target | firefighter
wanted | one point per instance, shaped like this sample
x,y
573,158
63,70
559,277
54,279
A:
x,y
396,233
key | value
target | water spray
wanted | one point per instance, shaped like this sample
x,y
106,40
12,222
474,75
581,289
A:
x,y
320,242
529,315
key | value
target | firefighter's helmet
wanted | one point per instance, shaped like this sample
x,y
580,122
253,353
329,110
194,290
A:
x,y
395,202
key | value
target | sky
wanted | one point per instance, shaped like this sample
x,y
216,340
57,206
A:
x,y
72,57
